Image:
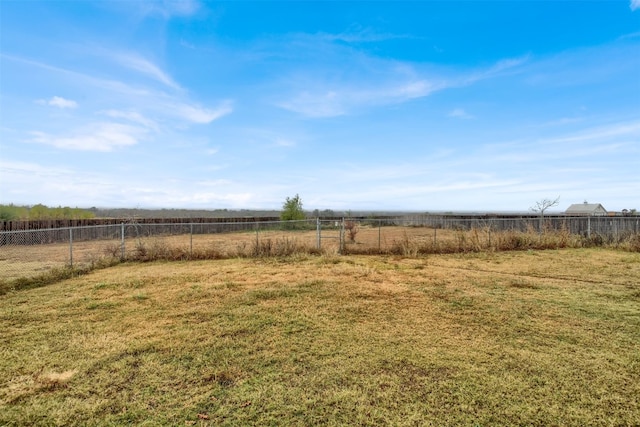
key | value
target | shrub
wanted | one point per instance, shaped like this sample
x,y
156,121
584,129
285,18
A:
x,y
352,229
633,243
279,248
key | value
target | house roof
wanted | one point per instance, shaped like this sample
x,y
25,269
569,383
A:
x,y
585,208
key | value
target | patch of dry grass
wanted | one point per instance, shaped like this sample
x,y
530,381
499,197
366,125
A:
x,y
516,338
39,261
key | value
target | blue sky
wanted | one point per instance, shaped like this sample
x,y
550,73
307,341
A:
x,y
420,105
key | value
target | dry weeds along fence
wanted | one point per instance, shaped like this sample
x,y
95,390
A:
x,y
50,253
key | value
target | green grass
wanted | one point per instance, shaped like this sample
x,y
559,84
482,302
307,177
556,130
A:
x,y
514,338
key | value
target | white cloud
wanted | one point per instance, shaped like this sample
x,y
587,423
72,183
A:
x,y
630,36
357,34
139,100
27,172
200,115
390,83
215,182
212,198
327,104
460,114
283,142
132,116
414,89
181,7
635,4
563,121
343,100
498,69
169,8
83,79
166,9
136,62
95,137
267,138
58,101
625,131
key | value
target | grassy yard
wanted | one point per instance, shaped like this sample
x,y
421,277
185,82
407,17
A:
x,y
536,338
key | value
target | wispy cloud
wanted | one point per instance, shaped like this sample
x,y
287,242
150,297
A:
x,y
65,186
359,34
635,4
139,112
58,101
344,98
504,66
132,116
102,136
267,138
380,82
625,131
200,115
327,104
460,113
24,170
283,142
167,8
566,148
81,78
630,35
181,7
144,66
563,121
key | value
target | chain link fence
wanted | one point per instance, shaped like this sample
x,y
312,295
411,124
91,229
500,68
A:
x,y
30,253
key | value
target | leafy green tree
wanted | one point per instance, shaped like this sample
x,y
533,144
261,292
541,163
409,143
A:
x,y
292,209
8,213
39,211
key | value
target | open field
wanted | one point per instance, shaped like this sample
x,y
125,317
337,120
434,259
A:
x,y
536,338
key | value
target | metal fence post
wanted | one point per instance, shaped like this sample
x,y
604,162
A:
x,y
257,236
122,249
379,235
191,239
318,233
341,241
71,247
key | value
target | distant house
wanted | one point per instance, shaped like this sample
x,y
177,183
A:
x,y
586,209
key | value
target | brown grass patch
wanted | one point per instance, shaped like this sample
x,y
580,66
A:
x,y
517,338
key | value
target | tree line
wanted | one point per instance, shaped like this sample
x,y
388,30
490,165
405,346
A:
x,y
13,212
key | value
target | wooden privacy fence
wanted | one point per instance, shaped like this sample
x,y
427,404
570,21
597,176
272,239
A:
x,y
74,223
583,225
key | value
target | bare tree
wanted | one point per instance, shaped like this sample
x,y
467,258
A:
x,y
542,205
